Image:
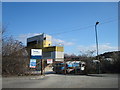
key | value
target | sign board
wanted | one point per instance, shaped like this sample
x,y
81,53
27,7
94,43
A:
x,y
33,63
49,61
59,60
36,53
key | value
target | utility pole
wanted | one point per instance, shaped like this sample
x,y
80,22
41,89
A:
x,y
97,57
96,38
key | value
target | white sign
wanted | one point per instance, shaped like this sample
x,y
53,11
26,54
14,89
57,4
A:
x,y
59,60
49,61
36,52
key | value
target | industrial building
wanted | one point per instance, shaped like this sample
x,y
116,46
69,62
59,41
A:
x,y
44,42
39,41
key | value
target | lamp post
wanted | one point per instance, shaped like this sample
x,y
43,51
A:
x,y
97,46
96,38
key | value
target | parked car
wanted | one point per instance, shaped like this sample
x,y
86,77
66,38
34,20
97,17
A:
x,y
59,67
73,67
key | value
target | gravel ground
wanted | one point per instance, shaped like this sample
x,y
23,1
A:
x,y
62,81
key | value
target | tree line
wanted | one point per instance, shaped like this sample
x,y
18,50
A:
x,y
109,61
15,58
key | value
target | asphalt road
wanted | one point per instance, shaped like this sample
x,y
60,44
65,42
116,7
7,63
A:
x,y
62,81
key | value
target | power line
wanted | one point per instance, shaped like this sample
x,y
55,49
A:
x,y
108,20
73,30
83,27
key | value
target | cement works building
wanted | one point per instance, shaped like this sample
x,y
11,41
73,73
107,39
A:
x,y
44,42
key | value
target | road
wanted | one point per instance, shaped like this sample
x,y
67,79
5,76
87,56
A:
x,y
62,81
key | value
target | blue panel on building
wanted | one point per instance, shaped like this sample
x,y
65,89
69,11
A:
x,y
36,57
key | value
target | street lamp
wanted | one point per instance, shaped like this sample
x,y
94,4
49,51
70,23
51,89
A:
x,y
97,46
96,38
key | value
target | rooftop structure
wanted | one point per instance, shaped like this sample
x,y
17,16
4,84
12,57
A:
x,y
40,41
44,42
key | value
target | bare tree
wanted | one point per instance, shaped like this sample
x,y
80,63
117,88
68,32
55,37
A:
x,y
88,57
88,53
14,56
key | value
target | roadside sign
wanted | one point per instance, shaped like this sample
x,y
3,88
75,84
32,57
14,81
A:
x,y
36,53
49,61
59,60
33,63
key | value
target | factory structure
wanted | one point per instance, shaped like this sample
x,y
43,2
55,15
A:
x,y
44,42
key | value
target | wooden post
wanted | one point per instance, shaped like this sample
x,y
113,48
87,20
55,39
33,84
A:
x,y
41,67
65,67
